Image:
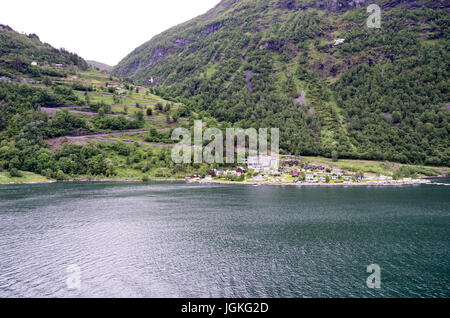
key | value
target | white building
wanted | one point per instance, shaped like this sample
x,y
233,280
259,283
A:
x,y
338,41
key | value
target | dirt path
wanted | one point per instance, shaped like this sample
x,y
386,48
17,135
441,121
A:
x,y
92,75
96,138
56,143
114,133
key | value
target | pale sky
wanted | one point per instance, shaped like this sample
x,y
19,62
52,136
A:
x,y
101,30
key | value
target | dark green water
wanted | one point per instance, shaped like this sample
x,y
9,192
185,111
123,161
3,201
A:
x,y
179,240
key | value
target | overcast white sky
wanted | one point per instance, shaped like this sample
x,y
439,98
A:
x,y
101,30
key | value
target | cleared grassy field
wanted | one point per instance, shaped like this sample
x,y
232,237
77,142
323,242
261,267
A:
x,y
376,167
27,177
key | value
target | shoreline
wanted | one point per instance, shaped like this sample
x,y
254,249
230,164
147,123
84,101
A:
x,y
223,182
320,184
93,181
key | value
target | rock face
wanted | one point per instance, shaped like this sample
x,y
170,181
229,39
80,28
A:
x,y
248,76
158,54
301,100
182,42
212,28
337,5
332,5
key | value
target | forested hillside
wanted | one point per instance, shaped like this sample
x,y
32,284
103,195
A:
x,y
19,51
62,120
381,94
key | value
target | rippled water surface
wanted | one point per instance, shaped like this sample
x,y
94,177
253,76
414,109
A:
x,y
180,240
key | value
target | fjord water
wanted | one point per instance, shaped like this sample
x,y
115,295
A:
x,y
186,240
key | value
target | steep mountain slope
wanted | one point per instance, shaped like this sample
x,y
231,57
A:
x,y
382,94
19,51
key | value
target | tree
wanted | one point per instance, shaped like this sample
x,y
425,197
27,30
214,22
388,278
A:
x,y
396,117
14,173
153,134
47,81
97,165
140,115
149,111
16,64
334,155
302,176
359,175
60,175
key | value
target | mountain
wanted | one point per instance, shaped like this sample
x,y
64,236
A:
x,y
100,66
19,51
375,94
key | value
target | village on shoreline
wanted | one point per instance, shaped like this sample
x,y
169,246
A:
x,y
290,170
286,170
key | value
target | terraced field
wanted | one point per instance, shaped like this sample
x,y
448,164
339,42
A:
x,y
123,100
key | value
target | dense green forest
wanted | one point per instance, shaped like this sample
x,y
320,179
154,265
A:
x,y
383,94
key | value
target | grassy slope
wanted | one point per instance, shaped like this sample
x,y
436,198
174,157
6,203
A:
x,y
377,167
27,177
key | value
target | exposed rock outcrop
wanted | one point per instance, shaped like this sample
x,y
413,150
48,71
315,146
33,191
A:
x,y
158,54
337,5
212,28
301,100
248,76
182,42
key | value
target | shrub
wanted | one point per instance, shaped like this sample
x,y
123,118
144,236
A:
x,y
60,175
14,173
334,155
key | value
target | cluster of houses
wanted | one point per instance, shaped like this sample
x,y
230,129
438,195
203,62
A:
x,y
116,85
319,174
265,169
122,86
